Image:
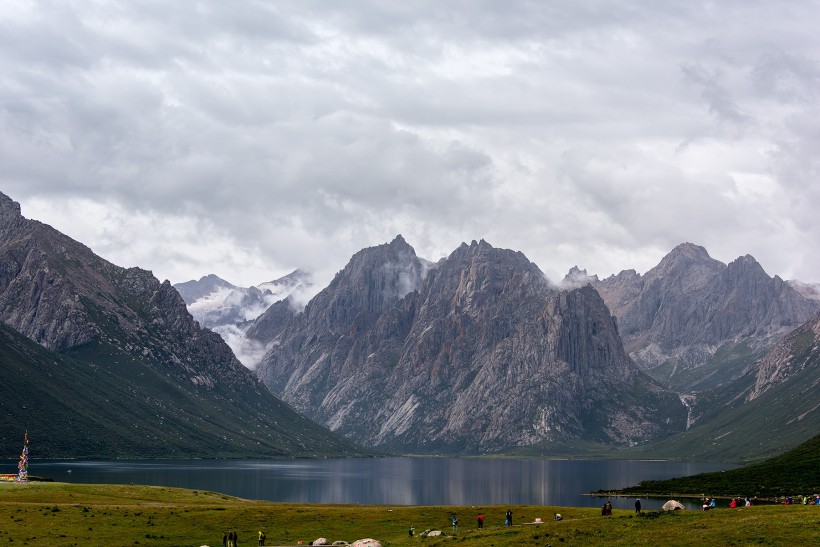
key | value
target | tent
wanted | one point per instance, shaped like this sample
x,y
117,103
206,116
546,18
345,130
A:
x,y
672,505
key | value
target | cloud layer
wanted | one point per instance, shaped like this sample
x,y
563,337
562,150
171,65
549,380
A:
x,y
249,138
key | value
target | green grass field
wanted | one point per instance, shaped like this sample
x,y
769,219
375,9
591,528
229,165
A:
x,y
60,514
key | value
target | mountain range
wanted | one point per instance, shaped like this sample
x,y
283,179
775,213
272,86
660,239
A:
x,y
216,303
103,361
691,321
476,354
481,353
230,310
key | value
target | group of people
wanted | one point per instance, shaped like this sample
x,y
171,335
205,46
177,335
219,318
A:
x,y
229,539
453,520
711,503
804,500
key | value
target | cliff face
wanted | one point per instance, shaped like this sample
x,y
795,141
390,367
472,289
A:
x,y
59,294
478,354
795,354
680,313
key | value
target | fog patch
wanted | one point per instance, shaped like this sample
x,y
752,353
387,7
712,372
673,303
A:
x,y
249,352
302,295
575,279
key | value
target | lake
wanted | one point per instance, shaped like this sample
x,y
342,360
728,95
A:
x,y
386,481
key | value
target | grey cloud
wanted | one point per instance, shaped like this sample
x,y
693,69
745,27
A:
x,y
297,133
720,102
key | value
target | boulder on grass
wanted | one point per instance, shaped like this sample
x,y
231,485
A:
x,y
366,543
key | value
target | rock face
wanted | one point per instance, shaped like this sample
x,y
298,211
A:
x,y
796,353
773,404
476,354
681,312
59,294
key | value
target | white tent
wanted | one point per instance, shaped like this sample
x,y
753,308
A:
x,y
672,505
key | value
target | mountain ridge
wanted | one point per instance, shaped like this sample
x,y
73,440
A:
x,y
683,311
479,353
123,323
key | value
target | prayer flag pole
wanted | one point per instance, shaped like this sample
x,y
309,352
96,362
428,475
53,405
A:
x,y
22,466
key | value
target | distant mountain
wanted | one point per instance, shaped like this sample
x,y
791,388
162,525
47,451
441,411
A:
x,y
130,373
477,354
215,302
229,310
772,405
693,322
809,290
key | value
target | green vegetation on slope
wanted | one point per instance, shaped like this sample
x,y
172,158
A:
x,y
792,473
100,403
47,514
733,429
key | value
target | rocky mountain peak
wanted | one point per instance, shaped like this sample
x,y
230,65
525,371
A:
x,y
577,277
11,217
684,256
193,290
372,281
399,241
484,336
687,307
745,265
8,207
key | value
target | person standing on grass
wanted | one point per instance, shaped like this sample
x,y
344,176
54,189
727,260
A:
x,y
454,520
508,518
637,506
480,519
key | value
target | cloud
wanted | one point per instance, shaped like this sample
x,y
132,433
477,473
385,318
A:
x,y
248,138
248,351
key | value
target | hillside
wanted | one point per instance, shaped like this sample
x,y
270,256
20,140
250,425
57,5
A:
x,y
122,369
796,472
774,403
96,402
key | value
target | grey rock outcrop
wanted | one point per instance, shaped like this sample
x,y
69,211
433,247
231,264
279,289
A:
x,y
478,354
795,353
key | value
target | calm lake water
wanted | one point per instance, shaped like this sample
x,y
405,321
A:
x,y
386,481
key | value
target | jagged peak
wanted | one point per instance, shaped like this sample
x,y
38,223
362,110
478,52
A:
x,y
213,278
398,240
690,250
577,277
746,263
686,255
10,215
8,206
745,259
624,275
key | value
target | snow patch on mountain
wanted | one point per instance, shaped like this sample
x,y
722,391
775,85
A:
x,y
229,310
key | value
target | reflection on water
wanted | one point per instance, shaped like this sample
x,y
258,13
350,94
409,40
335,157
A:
x,y
387,481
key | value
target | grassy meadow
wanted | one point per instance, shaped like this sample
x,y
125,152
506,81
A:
x,y
60,514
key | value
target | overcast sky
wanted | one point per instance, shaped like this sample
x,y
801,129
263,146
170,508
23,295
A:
x,y
248,138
